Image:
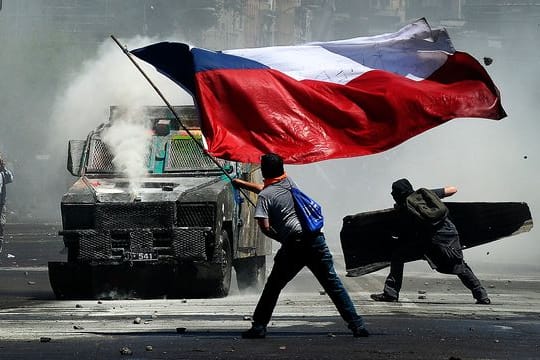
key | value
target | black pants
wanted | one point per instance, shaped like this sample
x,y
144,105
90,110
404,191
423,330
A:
x,y
445,255
393,282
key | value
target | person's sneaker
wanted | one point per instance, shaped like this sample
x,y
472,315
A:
x,y
256,332
484,301
360,332
383,297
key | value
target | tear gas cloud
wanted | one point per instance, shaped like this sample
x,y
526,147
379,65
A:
x,y
129,139
83,104
107,79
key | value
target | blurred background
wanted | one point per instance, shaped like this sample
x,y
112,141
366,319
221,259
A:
x,y
61,71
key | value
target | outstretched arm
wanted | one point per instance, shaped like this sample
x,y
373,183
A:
x,y
256,188
449,190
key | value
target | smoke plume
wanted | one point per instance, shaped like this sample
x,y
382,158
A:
x,y
128,139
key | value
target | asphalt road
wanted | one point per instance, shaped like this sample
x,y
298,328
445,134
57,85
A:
x,y
435,319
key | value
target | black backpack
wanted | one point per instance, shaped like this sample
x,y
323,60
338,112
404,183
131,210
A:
x,y
426,207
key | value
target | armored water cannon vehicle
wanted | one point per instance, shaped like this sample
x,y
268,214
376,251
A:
x,y
175,231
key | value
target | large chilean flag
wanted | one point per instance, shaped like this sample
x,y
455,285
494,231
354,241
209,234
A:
x,y
328,100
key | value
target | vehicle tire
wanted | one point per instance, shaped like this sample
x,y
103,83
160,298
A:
x,y
251,273
223,256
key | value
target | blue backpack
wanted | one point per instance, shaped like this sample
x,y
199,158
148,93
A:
x,y
308,210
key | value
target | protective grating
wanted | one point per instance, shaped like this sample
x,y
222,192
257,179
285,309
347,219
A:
x,y
94,245
100,157
120,242
185,154
190,243
196,215
134,215
141,240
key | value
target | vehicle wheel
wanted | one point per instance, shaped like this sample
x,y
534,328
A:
x,y
223,256
251,273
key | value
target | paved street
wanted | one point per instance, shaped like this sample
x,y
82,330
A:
x,y
435,319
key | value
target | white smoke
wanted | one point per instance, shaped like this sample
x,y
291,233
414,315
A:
x,y
128,139
107,79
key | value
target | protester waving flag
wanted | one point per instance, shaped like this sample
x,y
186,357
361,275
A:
x,y
328,100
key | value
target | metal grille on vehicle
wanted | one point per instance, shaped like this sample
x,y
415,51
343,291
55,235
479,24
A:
x,y
190,243
100,158
141,240
135,215
184,154
182,243
196,214
156,242
94,245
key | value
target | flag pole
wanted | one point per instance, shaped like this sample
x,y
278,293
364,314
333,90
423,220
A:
x,y
176,116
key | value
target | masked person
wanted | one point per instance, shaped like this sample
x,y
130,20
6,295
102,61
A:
x,y
277,218
6,177
439,245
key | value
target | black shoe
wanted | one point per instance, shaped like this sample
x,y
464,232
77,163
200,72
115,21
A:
x,y
360,332
384,297
484,301
256,332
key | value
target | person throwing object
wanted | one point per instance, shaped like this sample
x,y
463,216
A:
x,y
277,219
437,240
